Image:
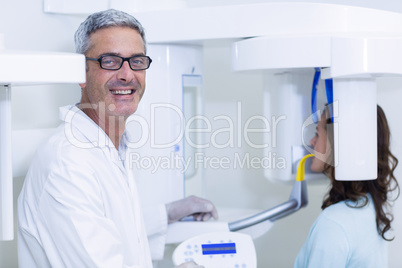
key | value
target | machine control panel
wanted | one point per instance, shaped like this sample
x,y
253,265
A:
x,y
220,250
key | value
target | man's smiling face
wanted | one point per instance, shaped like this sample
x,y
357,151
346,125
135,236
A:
x,y
119,90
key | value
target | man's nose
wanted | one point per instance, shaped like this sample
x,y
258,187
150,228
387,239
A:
x,y
125,73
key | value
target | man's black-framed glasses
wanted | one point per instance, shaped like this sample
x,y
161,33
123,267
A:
x,y
113,62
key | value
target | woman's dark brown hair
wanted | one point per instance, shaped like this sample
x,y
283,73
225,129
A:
x,y
379,189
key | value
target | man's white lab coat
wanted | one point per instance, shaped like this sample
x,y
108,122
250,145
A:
x,y
79,205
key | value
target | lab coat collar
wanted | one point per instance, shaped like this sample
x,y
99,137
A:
x,y
83,132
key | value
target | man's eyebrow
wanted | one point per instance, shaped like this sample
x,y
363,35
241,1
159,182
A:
x,y
119,54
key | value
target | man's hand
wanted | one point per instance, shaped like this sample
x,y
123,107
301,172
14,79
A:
x,y
189,264
201,209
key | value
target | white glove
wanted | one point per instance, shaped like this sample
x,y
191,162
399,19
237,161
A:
x,y
189,264
201,209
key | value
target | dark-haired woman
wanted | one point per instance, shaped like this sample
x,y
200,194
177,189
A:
x,y
351,231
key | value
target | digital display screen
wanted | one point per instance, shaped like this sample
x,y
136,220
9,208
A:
x,y
223,248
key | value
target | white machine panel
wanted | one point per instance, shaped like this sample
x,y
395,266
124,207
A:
x,y
156,152
218,250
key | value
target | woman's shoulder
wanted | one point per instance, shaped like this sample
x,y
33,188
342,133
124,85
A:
x,y
348,211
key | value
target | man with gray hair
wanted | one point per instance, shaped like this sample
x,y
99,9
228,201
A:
x,y
79,205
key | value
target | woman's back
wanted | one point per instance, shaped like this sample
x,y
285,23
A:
x,y
343,236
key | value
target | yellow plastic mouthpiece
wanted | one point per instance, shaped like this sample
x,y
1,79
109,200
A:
x,y
300,168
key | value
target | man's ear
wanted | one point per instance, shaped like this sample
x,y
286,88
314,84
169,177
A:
x,y
83,85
